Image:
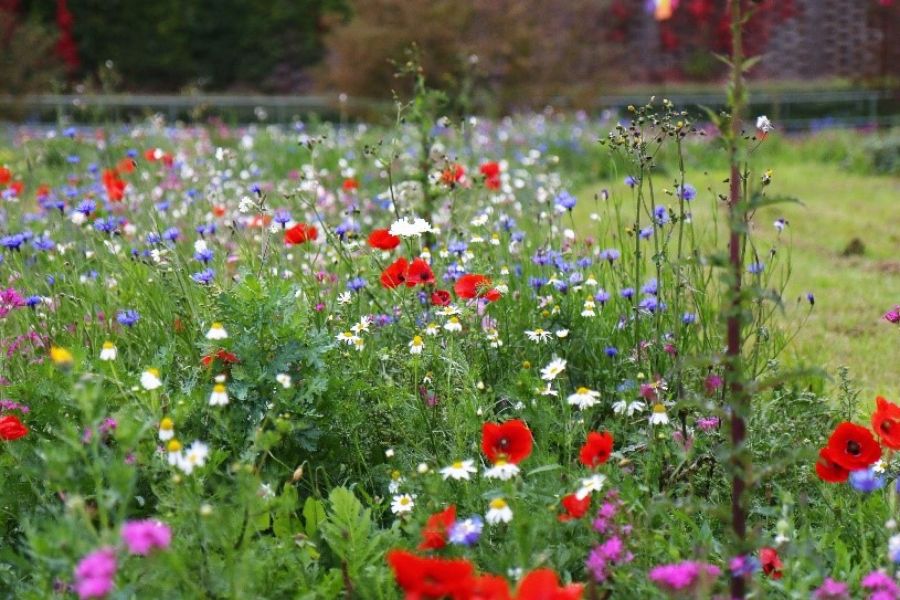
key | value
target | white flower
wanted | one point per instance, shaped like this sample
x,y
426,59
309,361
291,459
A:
x,y
195,456
588,310
395,483
459,470
358,343
629,408
659,416
502,470
879,466
346,336
401,504
594,483
453,324
432,329
493,336
422,468
764,124
894,548
108,352
498,512
219,395
416,345
562,333
150,379
410,228
216,332
344,298
265,491
538,335
583,398
173,451
780,224
284,379
547,391
166,429
556,366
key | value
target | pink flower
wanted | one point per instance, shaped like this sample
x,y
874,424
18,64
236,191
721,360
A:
x,y
94,574
684,576
831,590
143,536
893,316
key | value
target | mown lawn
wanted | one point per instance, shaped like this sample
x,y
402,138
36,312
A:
x,y
852,292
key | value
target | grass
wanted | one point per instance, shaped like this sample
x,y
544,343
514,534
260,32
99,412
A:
x,y
852,292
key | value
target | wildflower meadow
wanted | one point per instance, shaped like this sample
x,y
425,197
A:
x,y
551,356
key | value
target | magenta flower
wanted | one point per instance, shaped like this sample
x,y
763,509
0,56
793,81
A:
x,y
893,316
831,590
94,574
143,536
685,576
881,586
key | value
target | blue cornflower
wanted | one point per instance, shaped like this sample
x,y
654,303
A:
x,y
153,239
810,298
584,262
12,242
73,159
661,215
627,293
541,258
651,287
610,254
43,244
688,193
537,282
689,318
32,301
602,296
518,236
646,232
205,255
163,206
204,230
566,201
106,225
282,217
631,181
561,286
171,234
649,303
86,207
128,317
507,222
611,351
466,531
70,132
457,247
756,268
356,284
204,277
576,278
865,480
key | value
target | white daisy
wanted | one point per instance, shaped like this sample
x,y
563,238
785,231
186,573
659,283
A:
x,y
346,337
764,124
432,329
284,380
562,333
150,379
416,345
583,398
195,456
502,470
538,335
461,469
216,332
594,483
659,416
410,228
498,512
166,429
588,310
629,408
344,298
453,324
108,352
556,366
402,503
219,395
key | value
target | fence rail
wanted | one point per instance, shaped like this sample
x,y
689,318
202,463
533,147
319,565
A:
x,y
798,108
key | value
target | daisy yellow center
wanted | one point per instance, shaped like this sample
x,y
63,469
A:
x,y
501,462
166,423
659,408
154,372
404,500
458,465
417,340
108,345
219,388
454,320
582,391
538,331
498,504
395,475
174,446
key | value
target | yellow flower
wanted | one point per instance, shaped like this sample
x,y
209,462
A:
x,y
60,356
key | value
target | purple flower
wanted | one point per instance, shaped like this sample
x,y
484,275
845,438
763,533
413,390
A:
x,y
707,423
688,193
684,576
466,531
128,317
755,268
566,201
893,316
744,565
204,277
610,254
631,181
832,590
94,574
866,481
143,536
881,583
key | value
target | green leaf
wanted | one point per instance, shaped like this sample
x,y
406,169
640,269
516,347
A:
x,y
313,515
543,469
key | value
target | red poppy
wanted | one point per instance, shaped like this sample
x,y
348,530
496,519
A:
x,y
223,355
434,535
596,449
489,587
886,422
472,286
17,187
11,428
383,240
853,446
153,154
300,234
440,298
419,273
115,187
430,577
771,562
5,175
43,191
350,184
453,174
126,165
395,274
575,508
543,584
828,470
510,441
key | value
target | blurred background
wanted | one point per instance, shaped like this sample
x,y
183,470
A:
x,y
823,62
